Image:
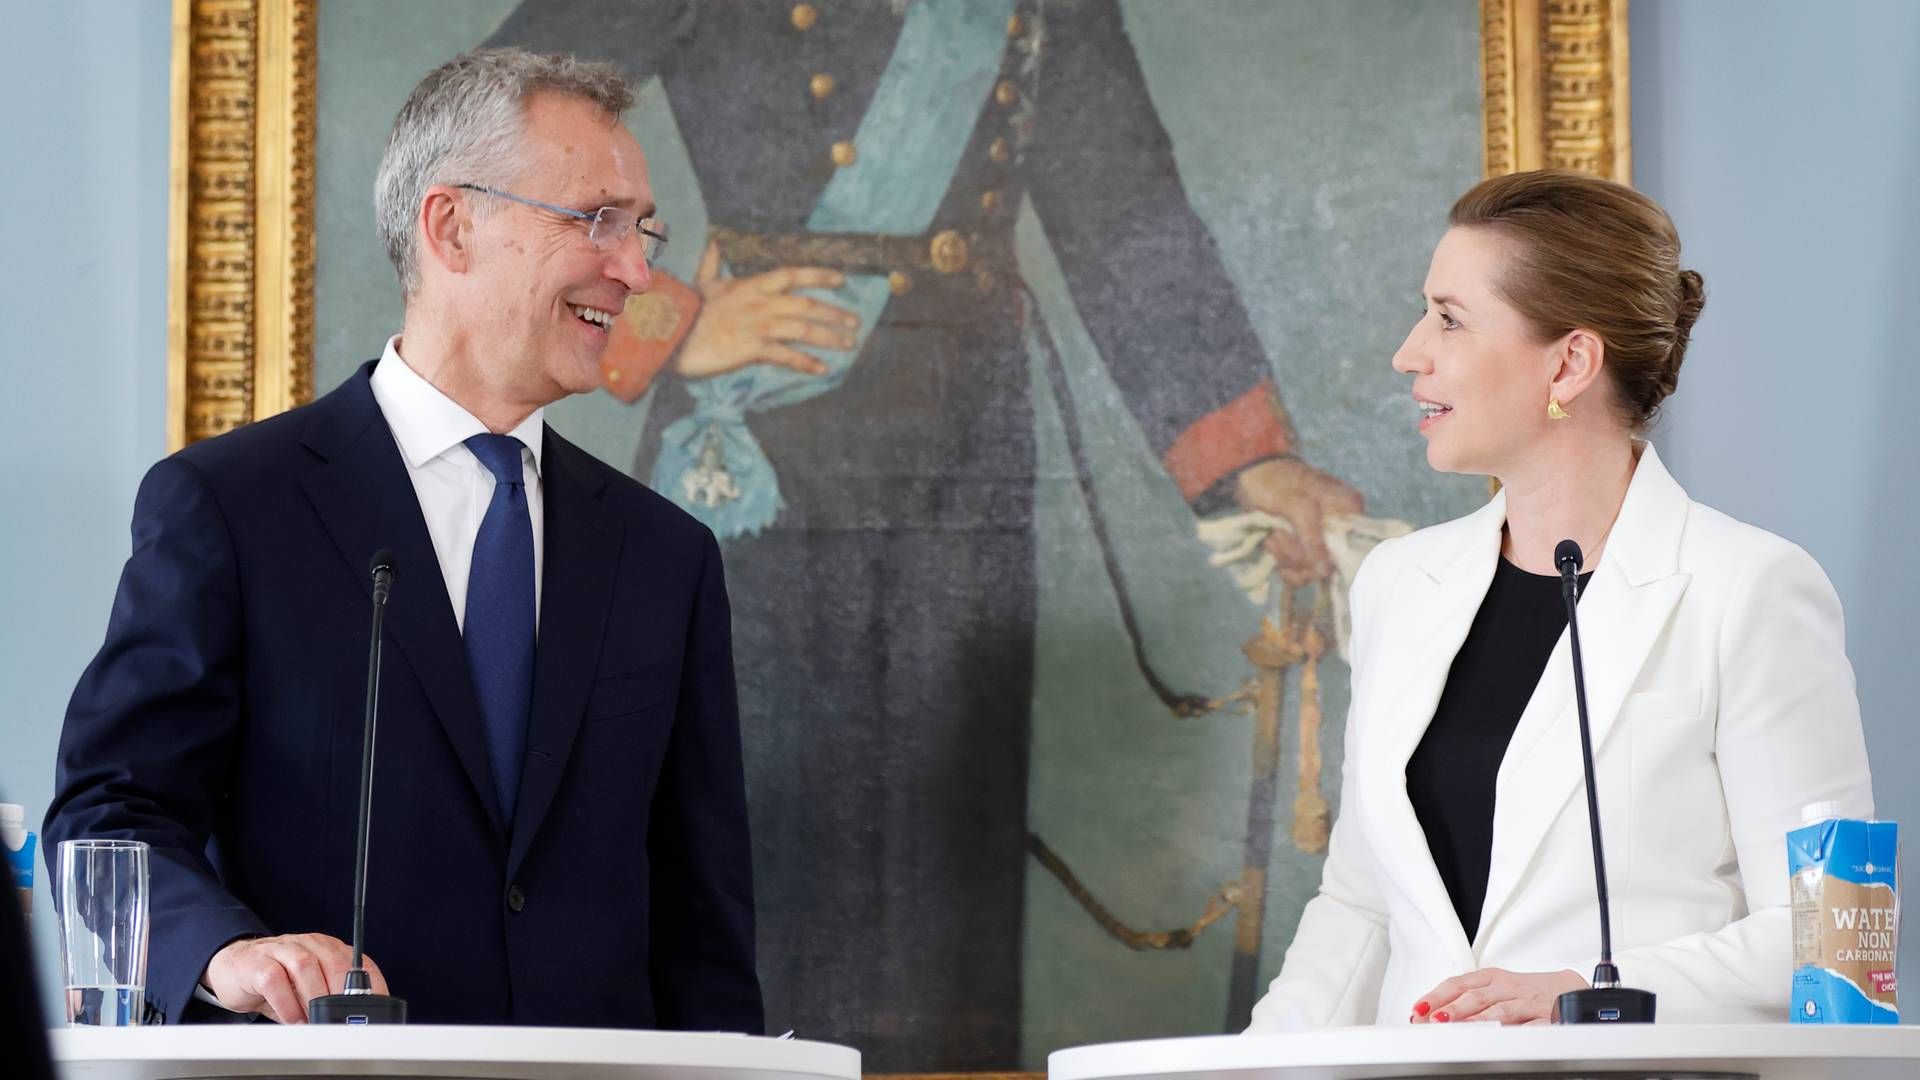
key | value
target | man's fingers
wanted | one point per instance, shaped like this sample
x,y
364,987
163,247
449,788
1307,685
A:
x,y
307,974
787,356
374,975
1341,499
334,965
1298,565
802,332
1314,542
788,278
1290,555
806,307
275,986
277,977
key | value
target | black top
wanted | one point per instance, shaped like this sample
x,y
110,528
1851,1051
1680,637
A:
x,y
1450,777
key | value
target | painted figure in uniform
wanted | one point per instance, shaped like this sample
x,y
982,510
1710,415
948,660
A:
x,y
843,393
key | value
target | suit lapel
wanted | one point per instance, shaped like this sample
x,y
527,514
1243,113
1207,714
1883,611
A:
x,y
580,563
366,502
1623,613
1438,597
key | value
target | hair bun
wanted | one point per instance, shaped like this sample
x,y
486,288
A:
x,y
1693,297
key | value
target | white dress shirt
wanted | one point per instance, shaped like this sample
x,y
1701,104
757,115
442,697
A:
x,y
454,488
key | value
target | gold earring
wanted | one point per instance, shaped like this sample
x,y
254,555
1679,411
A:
x,y
1554,411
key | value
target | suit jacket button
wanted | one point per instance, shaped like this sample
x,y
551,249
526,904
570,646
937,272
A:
x,y
821,86
998,150
844,154
1006,93
804,16
516,899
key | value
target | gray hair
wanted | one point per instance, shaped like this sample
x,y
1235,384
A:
x,y
462,125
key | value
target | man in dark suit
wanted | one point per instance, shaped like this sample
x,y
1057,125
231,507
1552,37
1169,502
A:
x,y
560,833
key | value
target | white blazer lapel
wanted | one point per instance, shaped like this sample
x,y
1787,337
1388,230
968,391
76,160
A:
x,y
1439,594
1623,612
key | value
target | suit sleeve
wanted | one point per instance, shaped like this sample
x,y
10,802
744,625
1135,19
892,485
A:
x,y
148,743
1144,271
702,944
1787,733
1332,973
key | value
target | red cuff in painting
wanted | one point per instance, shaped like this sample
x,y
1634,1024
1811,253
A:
x,y
1247,429
644,337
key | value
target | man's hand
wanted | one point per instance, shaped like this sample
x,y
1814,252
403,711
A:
x,y
1511,997
277,976
1290,488
757,319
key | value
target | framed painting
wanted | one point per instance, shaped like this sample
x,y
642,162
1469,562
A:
x,y
1042,718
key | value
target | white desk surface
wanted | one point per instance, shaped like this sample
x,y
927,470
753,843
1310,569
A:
x,y
1769,1051
192,1052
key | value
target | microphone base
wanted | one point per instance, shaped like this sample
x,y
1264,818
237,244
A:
x,y
1614,1005
357,1009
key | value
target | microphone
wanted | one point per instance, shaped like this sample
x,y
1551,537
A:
x,y
357,1003
1607,1002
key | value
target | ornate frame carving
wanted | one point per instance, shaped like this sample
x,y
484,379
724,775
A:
x,y
240,232
1554,87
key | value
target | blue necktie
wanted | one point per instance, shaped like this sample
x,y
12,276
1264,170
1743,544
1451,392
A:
x,y
500,622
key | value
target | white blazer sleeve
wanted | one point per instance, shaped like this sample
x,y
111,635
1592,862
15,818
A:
x,y
1332,972
1787,733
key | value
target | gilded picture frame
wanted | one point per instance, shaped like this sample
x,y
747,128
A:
x,y
1555,93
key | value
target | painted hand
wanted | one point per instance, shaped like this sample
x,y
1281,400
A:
x,y
1290,488
759,320
1510,997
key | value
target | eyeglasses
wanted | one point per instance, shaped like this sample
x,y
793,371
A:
x,y
607,227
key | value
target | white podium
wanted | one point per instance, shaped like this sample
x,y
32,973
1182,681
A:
x,y
198,1052
1762,1051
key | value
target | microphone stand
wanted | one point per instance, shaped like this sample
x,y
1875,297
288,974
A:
x,y
1607,1002
357,1003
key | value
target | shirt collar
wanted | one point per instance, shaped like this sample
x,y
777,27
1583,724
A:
x,y
427,423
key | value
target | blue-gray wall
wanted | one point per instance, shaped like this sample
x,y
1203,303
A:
x,y
83,337
1783,136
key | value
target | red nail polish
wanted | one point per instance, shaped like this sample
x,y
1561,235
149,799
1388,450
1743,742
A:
x,y
1442,1017
1421,1008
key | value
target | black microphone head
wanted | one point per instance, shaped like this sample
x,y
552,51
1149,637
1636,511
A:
x,y
383,563
1566,556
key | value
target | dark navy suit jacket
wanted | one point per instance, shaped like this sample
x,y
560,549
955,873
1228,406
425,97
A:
x,y
221,722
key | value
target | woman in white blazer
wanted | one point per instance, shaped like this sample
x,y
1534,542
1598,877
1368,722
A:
x,y
1459,882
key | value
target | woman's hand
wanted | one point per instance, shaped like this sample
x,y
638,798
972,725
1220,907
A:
x,y
1510,997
